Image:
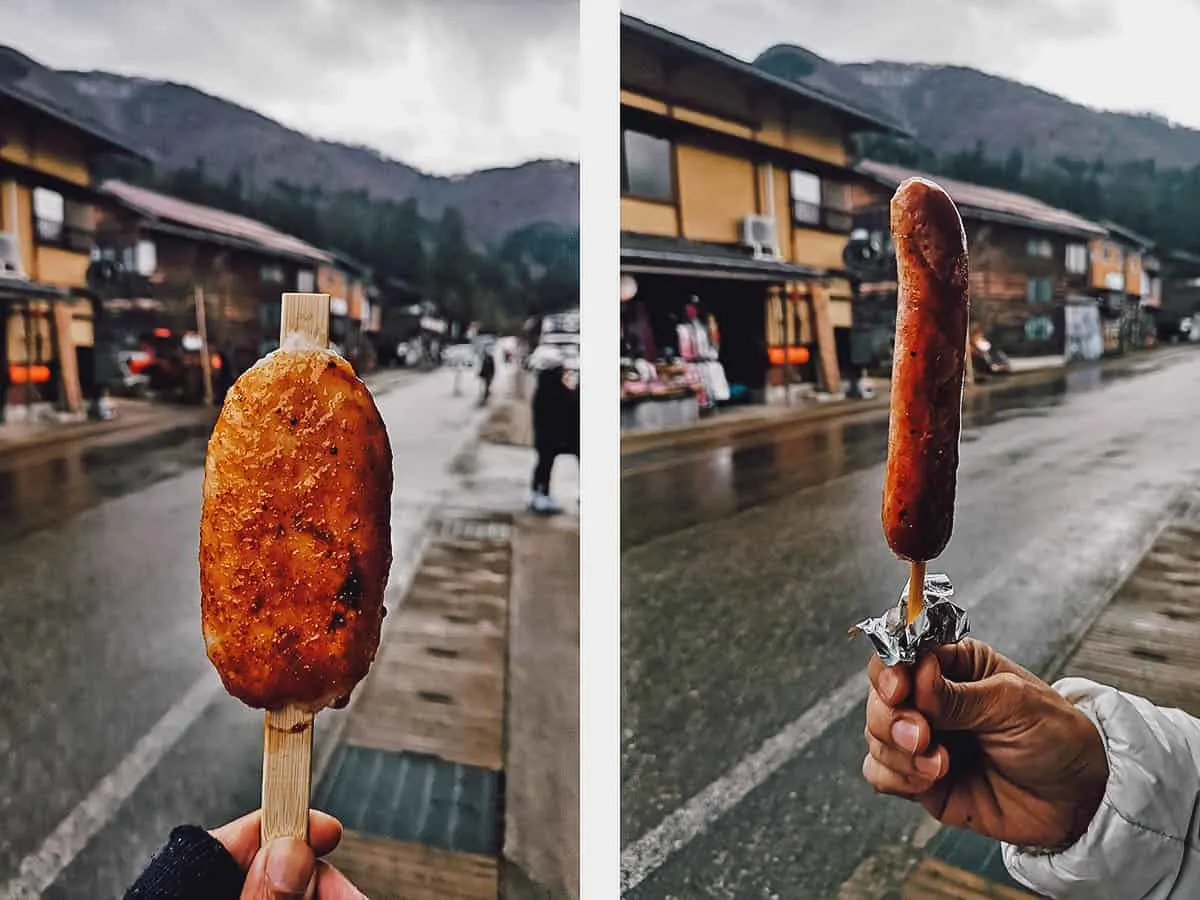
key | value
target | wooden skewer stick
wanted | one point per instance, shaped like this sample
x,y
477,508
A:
x,y
288,732
916,591
287,773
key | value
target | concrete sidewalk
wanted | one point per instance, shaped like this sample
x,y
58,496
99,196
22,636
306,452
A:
x,y
141,418
739,422
541,833
455,769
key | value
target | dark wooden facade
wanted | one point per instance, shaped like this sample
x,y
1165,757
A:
x,y
241,285
1180,286
1022,277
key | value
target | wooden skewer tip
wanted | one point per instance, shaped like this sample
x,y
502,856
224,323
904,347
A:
x,y
916,591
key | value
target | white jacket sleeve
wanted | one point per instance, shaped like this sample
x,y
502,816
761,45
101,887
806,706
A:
x,y
1142,844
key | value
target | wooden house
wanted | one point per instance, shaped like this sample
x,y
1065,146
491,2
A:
x,y
735,205
1031,264
175,254
47,223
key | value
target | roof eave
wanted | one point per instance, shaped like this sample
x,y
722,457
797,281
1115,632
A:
x,y
109,141
1001,217
987,214
702,51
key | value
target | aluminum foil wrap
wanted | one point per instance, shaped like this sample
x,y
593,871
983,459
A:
x,y
940,622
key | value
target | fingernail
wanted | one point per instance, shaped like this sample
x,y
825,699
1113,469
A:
x,y
905,734
929,765
888,683
290,866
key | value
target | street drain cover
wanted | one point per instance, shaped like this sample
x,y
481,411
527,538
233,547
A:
x,y
415,798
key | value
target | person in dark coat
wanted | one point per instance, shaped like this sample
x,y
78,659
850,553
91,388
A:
x,y
487,373
555,429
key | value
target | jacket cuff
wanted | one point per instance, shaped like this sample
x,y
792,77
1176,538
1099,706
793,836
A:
x,y
192,866
1137,840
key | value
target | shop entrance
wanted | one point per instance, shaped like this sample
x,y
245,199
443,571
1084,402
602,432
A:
x,y
732,311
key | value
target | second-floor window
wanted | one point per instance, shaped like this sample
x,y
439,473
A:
x,y
1039,290
49,215
1040,247
819,202
646,169
806,198
59,222
141,258
272,274
306,281
1077,259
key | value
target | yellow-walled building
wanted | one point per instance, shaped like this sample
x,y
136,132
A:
x,y
47,225
735,211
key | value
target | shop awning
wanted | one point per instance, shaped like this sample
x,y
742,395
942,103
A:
x,y
24,289
647,254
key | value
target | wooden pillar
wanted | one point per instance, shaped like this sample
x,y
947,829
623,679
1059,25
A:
x,y
68,362
205,357
822,321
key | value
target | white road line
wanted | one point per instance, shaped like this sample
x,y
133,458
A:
x,y
641,858
689,821
40,869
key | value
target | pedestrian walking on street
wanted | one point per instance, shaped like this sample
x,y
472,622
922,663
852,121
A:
x,y
555,427
1092,792
487,373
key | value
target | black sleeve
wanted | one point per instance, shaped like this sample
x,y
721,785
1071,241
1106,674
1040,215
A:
x,y
192,866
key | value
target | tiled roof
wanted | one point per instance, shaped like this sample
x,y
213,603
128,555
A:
x,y
990,203
218,222
730,63
33,85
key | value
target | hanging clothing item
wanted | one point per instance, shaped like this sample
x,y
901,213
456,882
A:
x,y
718,382
686,339
645,332
714,335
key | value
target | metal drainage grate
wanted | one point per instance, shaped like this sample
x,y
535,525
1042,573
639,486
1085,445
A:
x,y
413,797
463,528
972,853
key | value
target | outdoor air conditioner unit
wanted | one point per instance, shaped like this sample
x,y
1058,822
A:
x,y
759,234
10,256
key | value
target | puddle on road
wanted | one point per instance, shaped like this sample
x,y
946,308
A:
x,y
41,491
740,475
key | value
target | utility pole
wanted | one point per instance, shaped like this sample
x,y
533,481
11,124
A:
x,y
205,359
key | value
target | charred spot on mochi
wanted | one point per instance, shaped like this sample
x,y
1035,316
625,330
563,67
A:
x,y
350,593
337,621
333,450
287,637
903,513
294,421
331,365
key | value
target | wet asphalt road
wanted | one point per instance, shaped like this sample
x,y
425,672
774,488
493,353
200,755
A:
x,y
743,565
100,603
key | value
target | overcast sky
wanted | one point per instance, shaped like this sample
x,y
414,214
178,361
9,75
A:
x,y
1110,54
446,85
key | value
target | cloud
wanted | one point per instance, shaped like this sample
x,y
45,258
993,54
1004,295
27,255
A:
x,y
446,86
990,34
1106,54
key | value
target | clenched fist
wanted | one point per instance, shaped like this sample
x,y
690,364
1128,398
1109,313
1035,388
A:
x,y
983,744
